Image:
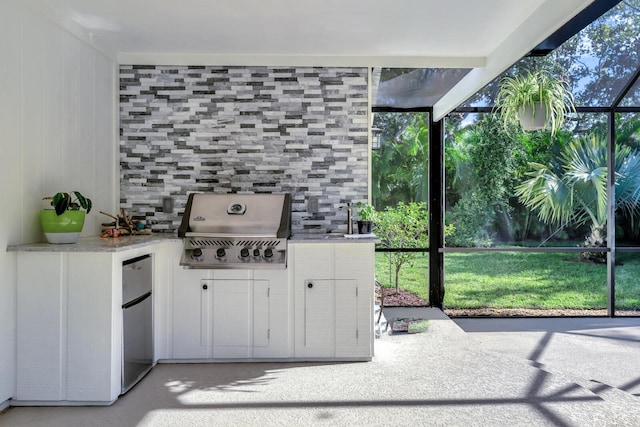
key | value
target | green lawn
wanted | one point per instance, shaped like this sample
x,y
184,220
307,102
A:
x,y
521,280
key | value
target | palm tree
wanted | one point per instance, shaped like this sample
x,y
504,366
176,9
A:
x,y
400,167
575,189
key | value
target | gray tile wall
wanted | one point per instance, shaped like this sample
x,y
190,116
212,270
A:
x,y
247,130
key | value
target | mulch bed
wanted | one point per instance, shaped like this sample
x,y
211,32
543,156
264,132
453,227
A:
x,y
534,312
404,298
401,298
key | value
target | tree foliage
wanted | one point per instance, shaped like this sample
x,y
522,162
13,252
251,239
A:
x,y
575,190
484,165
401,165
490,159
403,226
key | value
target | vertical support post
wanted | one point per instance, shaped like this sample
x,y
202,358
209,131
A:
x,y
436,212
611,210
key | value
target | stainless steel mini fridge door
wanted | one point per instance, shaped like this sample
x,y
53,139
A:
x,y
137,320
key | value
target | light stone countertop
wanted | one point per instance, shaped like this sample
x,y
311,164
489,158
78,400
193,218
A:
x,y
99,244
96,244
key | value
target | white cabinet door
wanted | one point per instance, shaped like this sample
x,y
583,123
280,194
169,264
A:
x,y
231,319
346,303
333,316
334,285
229,314
319,317
94,327
272,318
261,314
187,334
355,274
41,324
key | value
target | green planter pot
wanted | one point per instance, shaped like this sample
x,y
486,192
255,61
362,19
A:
x,y
63,228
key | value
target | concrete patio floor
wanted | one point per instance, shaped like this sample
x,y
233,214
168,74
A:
x,y
485,372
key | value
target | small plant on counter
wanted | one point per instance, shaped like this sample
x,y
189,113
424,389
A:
x,y
65,202
64,223
366,211
366,215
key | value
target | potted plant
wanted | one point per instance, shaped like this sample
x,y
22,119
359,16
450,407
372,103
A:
x,y
536,100
365,214
64,222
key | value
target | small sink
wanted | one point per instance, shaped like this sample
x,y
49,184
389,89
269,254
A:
x,y
334,236
319,236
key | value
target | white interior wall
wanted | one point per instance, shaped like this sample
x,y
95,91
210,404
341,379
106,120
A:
x,y
58,121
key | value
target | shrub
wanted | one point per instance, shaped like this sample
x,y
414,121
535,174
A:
x,y
403,226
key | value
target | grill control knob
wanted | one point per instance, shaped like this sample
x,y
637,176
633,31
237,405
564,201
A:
x,y
221,253
197,253
268,253
256,253
244,253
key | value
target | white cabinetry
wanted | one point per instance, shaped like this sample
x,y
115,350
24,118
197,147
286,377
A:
x,y
334,288
230,314
69,313
69,326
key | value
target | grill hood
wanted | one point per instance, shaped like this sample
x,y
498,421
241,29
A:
x,y
236,231
237,215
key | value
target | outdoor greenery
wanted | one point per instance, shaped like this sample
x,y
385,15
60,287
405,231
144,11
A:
x,y
401,166
521,280
403,226
575,188
414,277
366,211
487,173
508,188
481,164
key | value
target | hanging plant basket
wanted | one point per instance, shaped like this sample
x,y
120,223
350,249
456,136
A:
x,y
536,100
533,117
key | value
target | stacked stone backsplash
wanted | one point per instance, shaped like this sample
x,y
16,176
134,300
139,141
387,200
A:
x,y
295,130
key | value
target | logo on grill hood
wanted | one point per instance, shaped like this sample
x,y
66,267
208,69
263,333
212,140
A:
x,y
236,209
199,218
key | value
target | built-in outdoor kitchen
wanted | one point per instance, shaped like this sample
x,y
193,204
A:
x,y
220,154
245,178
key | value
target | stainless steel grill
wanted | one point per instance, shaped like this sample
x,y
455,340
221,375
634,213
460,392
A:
x,y
236,231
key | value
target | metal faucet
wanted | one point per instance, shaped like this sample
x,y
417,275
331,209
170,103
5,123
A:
x,y
349,219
